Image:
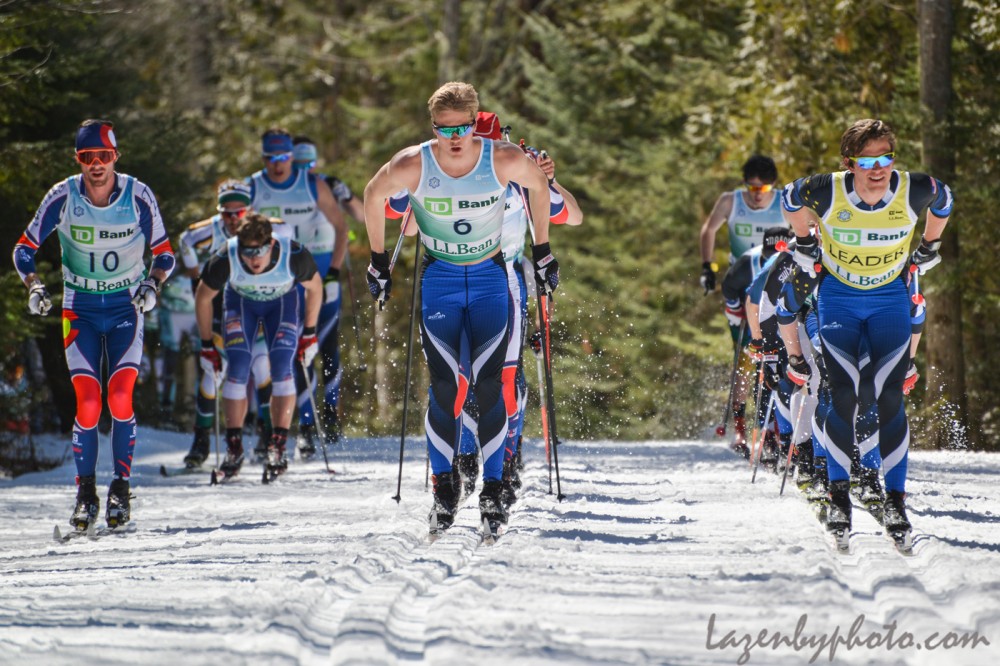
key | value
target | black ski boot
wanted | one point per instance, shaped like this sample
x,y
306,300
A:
x,y
277,463
467,465
233,461
307,441
897,525
838,516
517,457
870,493
199,448
118,513
263,439
769,452
446,493
87,503
804,464
491,509
895,511
509,484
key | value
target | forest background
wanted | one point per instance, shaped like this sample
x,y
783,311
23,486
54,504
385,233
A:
x,y
649,109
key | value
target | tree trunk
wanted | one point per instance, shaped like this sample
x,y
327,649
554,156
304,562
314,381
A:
x,y
944,348
451,28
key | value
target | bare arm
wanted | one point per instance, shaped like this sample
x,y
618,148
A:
x,y
934,226
314,299
328,206
356,209
799,220
513,165
790,336
753,320
548,167
203,309
401,172
720,213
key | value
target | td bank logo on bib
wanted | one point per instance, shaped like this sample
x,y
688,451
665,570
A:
x,y
82,234
438,205
847,236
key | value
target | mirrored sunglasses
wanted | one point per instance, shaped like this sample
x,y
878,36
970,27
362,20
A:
x,y
452,131
238,213
252,251
93,156
767,187
277,157
872,162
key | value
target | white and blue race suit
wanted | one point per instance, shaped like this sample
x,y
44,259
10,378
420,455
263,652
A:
x,y
466,303
103,262
295,203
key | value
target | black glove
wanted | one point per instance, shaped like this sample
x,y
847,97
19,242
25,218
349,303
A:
x,y
546,268
536,343
707,278
379,280
772,371
807,253
926,256
798,370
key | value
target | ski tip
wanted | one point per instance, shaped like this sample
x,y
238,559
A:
x,y
56,534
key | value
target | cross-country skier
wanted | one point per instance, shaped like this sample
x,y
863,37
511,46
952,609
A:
x,y
104,221
867,214
259,270
457,184
304,202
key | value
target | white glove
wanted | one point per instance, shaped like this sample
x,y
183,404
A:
x,y
807,255
39,301
145,296
332,290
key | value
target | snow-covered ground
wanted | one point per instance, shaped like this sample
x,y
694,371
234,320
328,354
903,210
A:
x,y
656,545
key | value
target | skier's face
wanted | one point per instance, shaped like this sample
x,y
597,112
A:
x,y
233,213
455,132
257,257
758,192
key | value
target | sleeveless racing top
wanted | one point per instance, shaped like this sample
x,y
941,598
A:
x,y
460,219
266,286
515,224
102,247
747,226
867,248
296,205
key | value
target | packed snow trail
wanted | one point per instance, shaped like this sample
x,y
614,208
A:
x,y
654,543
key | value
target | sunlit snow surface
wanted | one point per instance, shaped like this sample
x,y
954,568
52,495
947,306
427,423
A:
x,y
652,539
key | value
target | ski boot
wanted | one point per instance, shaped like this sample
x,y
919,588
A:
x,y
870,493
307,441
739,444
233,461
199,449
87,503
785,440
491,509
509,484
263,439
518,461
467,465
804,464
897,525
769,452
117,513
446,494
276,464
838,517
331,425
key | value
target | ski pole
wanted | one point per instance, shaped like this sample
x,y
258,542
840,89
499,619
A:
x,y
756,411
795,429
320,429
763,432
915,295
547,353
218,416
536,339
409,357
721,430
362,366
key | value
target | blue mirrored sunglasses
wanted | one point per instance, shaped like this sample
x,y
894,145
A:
x,y
451,131
278,157
877,161
251,252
